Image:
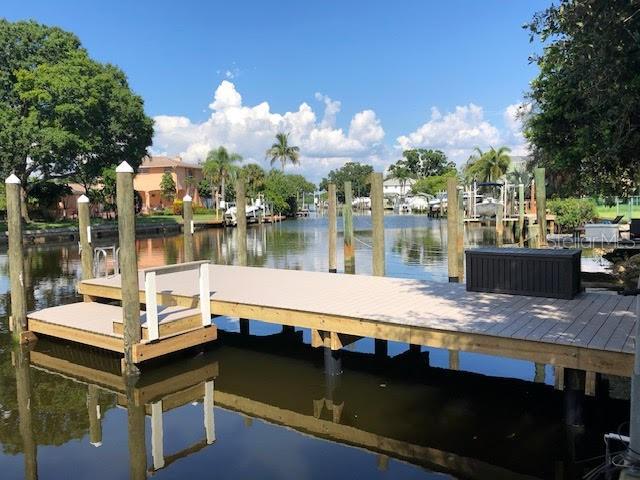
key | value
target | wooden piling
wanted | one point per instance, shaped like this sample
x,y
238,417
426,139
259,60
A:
x,y
347,218
377,224
452,228
333,233
187,227
18,320
539,373
460,236
86,247
241,222
499,226
521,214
128,264
532,234
541,205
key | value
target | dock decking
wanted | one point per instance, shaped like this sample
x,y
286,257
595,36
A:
x,y
593,332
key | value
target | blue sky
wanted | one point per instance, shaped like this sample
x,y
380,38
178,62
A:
x,y
425,73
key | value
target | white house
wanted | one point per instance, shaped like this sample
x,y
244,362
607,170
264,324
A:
x,y
393,186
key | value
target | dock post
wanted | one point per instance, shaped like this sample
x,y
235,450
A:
x,y
347,218
333,232
241,221
539,374
187,227
460,236
521,214
499,226
541,205
454,360
86,249
452,228
22,358
95,416
18,319
381,348
533,233
377,224
128,264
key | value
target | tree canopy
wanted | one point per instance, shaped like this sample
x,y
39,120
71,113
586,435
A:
x,y
282,152
422,162
488,166
64,115
357,173
584,126
282,190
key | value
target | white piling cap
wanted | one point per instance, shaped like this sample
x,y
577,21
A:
x,y
187,198
96,444
12,179
124,167
83,199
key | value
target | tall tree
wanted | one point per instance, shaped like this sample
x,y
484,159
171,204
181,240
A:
x,y
584,126
282,152
63,115
424,162
357,173
220,168
401,173
168,186
489,166
254,177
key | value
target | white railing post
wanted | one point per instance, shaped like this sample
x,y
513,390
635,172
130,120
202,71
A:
x,y
157,434
152,306
205,295
209,422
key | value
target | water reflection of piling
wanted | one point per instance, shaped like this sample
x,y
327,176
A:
x,y
95,415
23,389
136,434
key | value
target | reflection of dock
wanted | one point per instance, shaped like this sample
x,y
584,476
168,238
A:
x,y
154,394
593,332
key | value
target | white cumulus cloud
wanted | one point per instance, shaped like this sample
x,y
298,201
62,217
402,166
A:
x,y
458,132
250,130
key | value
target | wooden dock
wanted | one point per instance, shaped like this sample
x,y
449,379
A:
x,y
594,332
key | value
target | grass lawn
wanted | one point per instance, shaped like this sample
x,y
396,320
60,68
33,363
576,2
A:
x,y
612,212
141,219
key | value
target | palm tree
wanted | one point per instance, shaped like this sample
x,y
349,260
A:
x,y
254,177
219,168
488,166
402,174
283,152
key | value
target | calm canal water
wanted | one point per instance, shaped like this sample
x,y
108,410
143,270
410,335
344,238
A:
x,y
281,408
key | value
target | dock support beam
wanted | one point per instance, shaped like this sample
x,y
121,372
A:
x,y
452,229
18,321
541,205
377,224
187,227
241,222
381,348
86,249
347,218
333,232
454,360
128,264
521,214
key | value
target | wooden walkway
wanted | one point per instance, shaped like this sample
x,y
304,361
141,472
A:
x,y
593,332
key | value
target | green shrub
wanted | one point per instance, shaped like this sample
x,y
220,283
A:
x,y
571,213
198,210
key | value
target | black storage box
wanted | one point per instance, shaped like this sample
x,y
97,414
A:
x,y
537,272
